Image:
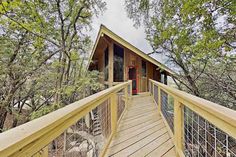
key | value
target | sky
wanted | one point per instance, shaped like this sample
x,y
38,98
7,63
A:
x,y
115,18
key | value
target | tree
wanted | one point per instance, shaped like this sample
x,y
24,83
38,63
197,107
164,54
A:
x,y
197,36
44,50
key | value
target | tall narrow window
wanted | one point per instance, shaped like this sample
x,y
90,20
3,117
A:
x,y
106,65
164,78
118,73
144,71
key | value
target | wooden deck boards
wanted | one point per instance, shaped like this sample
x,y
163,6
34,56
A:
x,y
141,132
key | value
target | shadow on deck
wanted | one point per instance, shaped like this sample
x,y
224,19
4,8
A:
x,y
141,131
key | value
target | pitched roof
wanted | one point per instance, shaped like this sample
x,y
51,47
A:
x,y
104,30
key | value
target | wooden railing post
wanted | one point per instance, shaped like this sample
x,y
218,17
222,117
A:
x,y
159,99
178,127
113,112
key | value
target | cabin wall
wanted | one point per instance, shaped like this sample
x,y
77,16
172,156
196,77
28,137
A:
x,y
130,59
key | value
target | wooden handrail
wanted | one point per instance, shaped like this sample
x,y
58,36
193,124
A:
x,y
219,111
29,138
220,116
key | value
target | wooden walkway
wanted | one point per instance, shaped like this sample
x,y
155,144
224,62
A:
x,y
141,132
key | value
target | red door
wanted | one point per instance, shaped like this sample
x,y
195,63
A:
x,y
133,76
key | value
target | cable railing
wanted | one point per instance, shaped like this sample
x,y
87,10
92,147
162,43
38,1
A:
x,y
199,128
84,128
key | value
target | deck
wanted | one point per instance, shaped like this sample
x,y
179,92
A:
x,y
141,132
200,127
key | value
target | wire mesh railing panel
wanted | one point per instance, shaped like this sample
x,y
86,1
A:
x,y
150,87
155,94
202,138
104,115
86,137
167,108
120,104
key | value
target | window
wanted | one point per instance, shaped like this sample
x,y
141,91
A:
x,y
118,73
106,70
164,78
144,71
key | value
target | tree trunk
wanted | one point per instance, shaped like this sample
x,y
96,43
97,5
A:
x,y
3,116
14,122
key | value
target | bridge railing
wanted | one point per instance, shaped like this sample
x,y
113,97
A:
x,y
83,128
199,127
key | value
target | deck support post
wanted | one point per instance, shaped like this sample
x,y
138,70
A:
x,y
178,127
114,112
159,99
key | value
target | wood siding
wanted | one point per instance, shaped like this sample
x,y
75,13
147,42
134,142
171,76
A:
x,y
130,59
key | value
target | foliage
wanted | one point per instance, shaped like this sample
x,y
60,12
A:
x,y
43,54
199,39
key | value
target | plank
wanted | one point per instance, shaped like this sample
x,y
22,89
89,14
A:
x,y
151,146
139,120
135,144
143,110
140,108
159,151
138,112
142,103
170,153
139,115
123,136
139,104
153,132
138,124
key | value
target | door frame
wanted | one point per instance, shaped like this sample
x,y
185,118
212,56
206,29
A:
x,y
136,78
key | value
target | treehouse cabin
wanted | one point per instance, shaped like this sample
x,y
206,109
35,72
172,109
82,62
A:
x,y
163,122
119,61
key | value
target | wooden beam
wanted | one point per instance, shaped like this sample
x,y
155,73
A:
x,y
178,126
111,64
